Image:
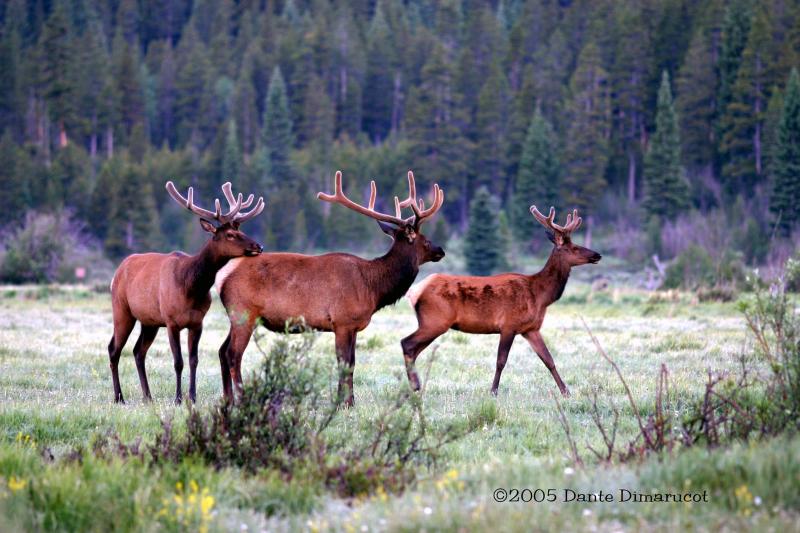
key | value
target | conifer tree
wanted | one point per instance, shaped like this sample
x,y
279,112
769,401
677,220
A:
x,y
538,181
482,245
15,192
277,136
742,124
666,191
786,159
56,75
695,88
231,155
379,79
586,151
491,124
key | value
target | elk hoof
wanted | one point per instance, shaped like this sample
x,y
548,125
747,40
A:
x,y
494,391
565,393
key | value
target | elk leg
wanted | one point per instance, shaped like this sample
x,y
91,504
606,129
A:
x,y
123,326
194,342
175,343
146,337
412,347
225,368
239,338
506,340
345,354
537,343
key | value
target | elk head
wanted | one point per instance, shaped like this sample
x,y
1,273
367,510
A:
x,y
404,231
561,237
226,238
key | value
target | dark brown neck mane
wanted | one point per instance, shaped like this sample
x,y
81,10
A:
x,y
198,271
550,281
392,274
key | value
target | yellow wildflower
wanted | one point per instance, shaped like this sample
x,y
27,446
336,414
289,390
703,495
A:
x,y
16,484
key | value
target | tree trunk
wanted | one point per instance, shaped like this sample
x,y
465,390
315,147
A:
x,y
110,142
63,140
631,177
589,224
397,97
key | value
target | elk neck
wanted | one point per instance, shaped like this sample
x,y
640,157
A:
x,y
199,270
549,282
391,275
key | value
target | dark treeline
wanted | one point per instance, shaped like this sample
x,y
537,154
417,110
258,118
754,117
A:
x,y
634,110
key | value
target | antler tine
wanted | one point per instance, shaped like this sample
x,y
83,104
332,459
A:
x,y
420,213
412,191
188,202
242,217
338,197
573,220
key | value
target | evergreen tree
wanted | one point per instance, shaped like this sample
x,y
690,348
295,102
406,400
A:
x,y
435,125
191,89
379,80
276,135
538,181
56,74
742,124
696,85
15,192
666,191
735,28
588,133
482,245
491,124
231,156
786,160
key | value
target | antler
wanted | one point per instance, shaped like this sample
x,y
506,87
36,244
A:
x,y
418,206
420,213
235,205
573,221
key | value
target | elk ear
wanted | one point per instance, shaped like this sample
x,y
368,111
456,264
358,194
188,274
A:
x,y
388,229
208,226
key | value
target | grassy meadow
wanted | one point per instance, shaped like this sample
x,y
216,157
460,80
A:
x,y
55,394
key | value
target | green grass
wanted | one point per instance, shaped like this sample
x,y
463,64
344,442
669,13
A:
x,y
55,387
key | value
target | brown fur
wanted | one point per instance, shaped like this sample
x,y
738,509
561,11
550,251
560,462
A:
x,y
332,292
508,304
172,291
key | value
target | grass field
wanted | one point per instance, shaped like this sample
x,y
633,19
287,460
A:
x,y
55,390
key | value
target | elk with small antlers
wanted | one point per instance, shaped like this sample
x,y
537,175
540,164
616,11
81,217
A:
x,y
333,292
172,290
508,304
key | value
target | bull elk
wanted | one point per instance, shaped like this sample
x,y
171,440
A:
x,y
332,292
172,290
508,304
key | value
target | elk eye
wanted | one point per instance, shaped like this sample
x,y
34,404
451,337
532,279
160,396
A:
x,y
230,236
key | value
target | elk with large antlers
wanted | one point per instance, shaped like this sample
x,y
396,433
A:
x,y
333,292
508,304
172,290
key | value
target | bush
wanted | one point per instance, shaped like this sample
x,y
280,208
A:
x,y
695,269
278,428
48,248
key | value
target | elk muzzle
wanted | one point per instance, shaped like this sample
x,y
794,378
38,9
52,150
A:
x,y
253,249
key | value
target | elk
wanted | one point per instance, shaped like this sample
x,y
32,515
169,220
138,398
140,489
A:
x,y
508,304
172,290
332,292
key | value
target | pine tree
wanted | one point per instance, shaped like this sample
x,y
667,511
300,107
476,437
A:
x,y
435,125
735,28
15,192
231,156
482,245
742,123
695,87
491,125
125,70
379,79
786,160
276,134
191,89
57,54
539,178
666,191
588,133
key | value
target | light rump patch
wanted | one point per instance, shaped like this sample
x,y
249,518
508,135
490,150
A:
x,y
416,291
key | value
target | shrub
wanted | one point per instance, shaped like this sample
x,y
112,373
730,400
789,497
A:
x,y
278,427
48,248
